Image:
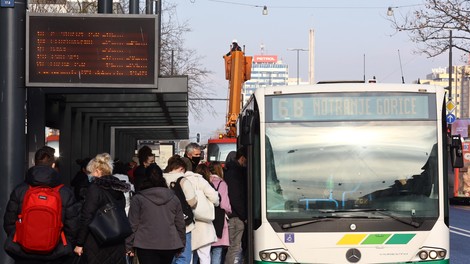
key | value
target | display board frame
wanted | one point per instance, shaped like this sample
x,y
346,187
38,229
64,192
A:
x,y
92,50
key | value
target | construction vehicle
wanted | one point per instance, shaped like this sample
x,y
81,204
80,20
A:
x,y
237,71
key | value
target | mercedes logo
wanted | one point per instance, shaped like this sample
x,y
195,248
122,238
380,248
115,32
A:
x,y
353,255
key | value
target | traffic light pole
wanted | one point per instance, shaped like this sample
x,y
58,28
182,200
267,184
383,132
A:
x,y
12,113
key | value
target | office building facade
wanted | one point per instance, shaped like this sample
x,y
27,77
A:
x,y
460,87
266,70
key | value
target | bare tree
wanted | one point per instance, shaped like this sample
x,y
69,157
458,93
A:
x,y
429,26
64,6
176,59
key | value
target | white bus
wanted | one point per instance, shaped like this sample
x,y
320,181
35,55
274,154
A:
x,y
348,173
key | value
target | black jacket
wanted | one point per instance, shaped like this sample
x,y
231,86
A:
x,y
139,177
95,199
41,176
80,183
236,178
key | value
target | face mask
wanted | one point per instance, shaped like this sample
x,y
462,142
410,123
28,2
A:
x,y
90,178
196,160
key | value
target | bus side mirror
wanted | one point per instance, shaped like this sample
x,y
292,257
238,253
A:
x,y
456,153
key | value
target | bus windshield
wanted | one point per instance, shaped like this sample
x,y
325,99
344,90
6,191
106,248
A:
x,y
351,161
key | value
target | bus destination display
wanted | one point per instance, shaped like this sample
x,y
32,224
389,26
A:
x,y
370,107
92,51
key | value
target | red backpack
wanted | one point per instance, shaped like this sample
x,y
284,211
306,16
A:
x,y
39,225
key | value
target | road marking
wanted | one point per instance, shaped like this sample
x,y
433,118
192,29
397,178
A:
x,y
462,207
464,232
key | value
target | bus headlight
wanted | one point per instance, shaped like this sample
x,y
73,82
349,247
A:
x,y
263,255
442,253
282,256
427,253
274,255
423,255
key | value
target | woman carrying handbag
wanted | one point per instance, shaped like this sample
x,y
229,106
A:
x,y
203,234
102,187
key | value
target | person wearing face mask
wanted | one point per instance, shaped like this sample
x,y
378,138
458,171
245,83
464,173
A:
x,y
193,154
146,157
235,175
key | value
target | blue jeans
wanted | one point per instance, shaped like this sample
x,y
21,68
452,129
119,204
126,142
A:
x,y
185,257
216,255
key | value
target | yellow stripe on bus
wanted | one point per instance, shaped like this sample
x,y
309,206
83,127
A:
x,y
351,239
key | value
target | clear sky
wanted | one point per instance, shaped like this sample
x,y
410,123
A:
x,y
346,32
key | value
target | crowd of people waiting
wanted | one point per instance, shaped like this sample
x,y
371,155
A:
x,y
166,228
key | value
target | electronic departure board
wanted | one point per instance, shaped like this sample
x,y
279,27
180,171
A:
x,y
92,50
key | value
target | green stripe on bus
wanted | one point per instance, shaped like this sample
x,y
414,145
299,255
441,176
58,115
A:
x,y
265,262
400,239
376,239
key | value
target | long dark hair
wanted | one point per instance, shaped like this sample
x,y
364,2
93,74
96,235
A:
x,y
203,169
154,177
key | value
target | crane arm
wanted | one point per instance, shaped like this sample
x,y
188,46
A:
x,y
237,71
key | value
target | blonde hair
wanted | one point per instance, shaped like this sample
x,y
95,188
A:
x,y
101,162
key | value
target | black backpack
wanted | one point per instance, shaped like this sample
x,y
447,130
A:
x,y
219,220
187,210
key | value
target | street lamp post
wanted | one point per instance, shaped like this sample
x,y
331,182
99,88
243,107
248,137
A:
x,y
450,65
298,50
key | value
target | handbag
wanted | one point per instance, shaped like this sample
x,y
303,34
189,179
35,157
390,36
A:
x,y
78,260
204,209
110,224
130,260
219,219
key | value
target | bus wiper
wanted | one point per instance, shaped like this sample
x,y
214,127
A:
x,y
302,223
325,219
411,222
351,210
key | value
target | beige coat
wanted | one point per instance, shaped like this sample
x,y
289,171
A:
x,y
203,233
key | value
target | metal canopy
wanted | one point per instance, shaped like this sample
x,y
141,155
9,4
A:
x,y
113,120
144,116
141,113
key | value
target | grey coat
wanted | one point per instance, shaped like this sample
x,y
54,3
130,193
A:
x,y
157,220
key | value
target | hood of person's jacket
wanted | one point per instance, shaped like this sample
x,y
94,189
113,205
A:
x,y
42,175
110,182
158,195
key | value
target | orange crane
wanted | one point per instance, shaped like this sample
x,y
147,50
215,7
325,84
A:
x,y
237,71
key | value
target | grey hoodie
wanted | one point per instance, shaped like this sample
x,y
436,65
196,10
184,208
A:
x,y
157,220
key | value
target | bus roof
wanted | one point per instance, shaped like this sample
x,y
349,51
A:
x,y
349,87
